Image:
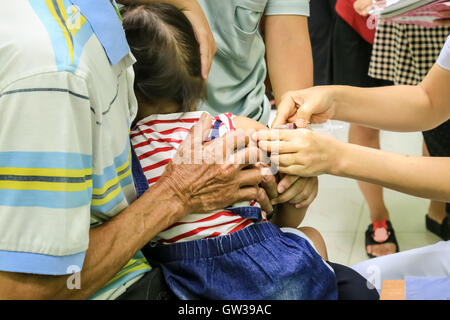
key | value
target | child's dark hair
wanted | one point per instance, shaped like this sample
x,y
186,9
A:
x,y
168,63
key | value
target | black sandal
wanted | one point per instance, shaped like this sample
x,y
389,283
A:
x,y
370,233
442,230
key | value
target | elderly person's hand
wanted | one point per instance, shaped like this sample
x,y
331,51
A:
x,y
211,176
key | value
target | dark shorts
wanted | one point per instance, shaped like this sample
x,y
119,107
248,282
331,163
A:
x,y
351,58
259,262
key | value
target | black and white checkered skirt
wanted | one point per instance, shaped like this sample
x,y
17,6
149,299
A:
x,y
405,53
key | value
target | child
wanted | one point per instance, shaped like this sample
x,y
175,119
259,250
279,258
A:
x,y
232,253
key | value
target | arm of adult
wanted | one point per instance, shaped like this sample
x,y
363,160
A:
x,y
288,48
394,108
183,188
306,153
203,33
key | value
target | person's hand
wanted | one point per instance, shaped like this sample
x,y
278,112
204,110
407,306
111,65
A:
x,y
313,105
207,177
297,191
445,20
362,7
300,152
203,33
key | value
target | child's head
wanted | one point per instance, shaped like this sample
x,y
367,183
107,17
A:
x,y
168,69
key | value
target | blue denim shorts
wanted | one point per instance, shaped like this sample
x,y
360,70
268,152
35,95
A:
x,y
256,263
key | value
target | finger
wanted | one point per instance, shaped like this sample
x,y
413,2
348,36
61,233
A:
x,y
286,182
250,177
206,57
274,135
197,134
269,183
247,156
201,130
285,160
278,147
255,193
310,189
298,170
303,117
308,201
297,190
223,147
234,140
286,109
264,201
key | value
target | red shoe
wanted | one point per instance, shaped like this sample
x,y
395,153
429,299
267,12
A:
x,y
380,232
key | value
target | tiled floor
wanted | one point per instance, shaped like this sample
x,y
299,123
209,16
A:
x,y
341,215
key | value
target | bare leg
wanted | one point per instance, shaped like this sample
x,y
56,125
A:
x,y
317,239
436,210
372,193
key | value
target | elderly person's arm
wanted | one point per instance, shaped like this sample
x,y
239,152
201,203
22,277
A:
x,y
182,189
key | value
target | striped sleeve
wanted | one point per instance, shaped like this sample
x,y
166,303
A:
x,y
45,174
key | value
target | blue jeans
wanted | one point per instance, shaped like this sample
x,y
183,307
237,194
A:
x,y
258,262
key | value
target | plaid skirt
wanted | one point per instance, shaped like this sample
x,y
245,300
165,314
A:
x,y
405,53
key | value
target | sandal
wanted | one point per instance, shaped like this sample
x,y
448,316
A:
x,y
380,232
442,230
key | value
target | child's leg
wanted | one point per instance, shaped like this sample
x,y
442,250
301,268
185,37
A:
x,y
315,236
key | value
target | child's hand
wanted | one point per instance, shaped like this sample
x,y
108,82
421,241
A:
x,y
297,191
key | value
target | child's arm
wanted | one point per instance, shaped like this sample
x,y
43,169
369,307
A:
x,y
286,214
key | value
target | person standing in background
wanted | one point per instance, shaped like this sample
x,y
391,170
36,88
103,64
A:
x,y
404,54
321,24
352,48
236,80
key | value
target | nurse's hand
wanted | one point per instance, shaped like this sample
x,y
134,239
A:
x,y
301,152
313,105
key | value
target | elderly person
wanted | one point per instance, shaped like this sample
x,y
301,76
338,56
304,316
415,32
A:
x,y
67,198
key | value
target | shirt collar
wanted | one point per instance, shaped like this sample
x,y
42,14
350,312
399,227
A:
x,y
106,24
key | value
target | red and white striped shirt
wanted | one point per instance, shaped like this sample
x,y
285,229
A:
x,y
156,140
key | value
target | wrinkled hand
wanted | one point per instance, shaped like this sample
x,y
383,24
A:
x,y
207,177
300,152
203,34
313,105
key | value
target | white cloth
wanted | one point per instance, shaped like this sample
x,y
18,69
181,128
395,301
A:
x,y
444,57
429,261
